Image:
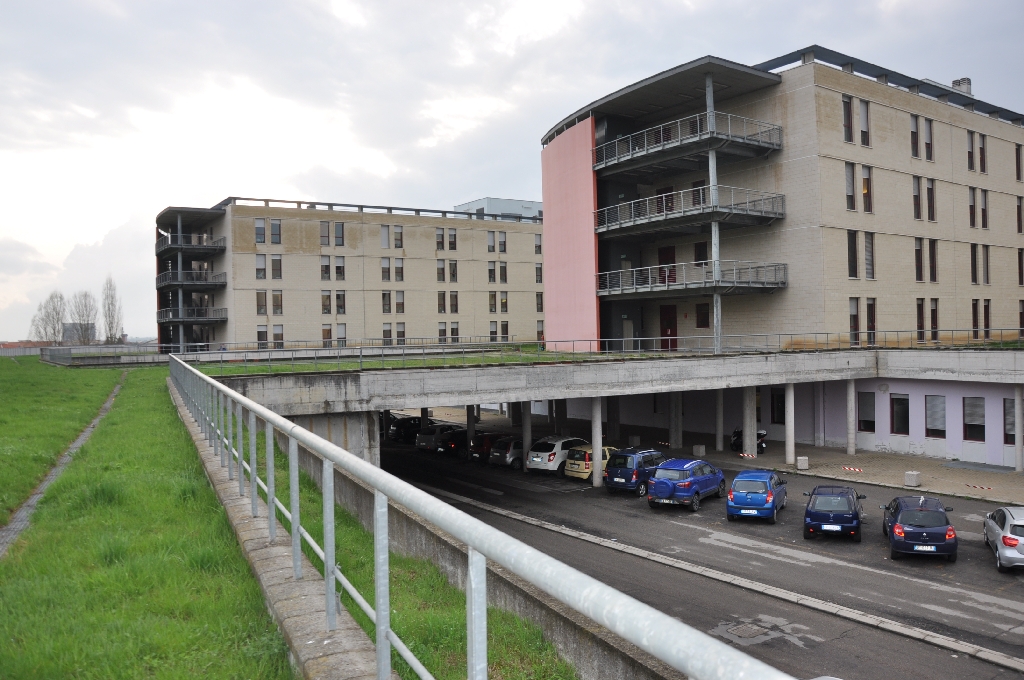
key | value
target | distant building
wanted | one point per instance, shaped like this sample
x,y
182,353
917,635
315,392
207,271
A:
x,y
73,335
506,207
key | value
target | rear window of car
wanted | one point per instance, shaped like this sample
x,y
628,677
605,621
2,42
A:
x,y
576,454
620,461
669,473
1017,530
749,486
923,518
543,447
831,504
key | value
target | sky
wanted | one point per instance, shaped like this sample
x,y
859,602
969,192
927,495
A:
x,y
111,111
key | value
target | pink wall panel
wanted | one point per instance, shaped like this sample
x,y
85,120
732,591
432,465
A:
x,y
570,245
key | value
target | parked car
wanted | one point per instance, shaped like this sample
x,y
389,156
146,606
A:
x,y
1004,533
405,429
455,443
549,453
577,463
756,493
685,482
833,510
630,470
427,437
918,525
507,451
480,447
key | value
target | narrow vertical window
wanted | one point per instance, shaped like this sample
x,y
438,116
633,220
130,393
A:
x,y
986,318
275,267
261,266
540,330
851,198
490,241
540,299
440,270
930,190
972,209
984,208
974,263
1020,215
399,302
974,419
851,253
385,236
854,321
1020,318
1009,429
933,260
974,318
490,272
1020,266
339,233
866,188
935,416
920,319
501,242
439,239
261,236
504,331
442,332
870,313
1020,163
385,301
325,238
869,255
866,411
537,243
452,241
538,271
865,135
454,331
261,337
899,413
385,334
847,118
279,336
453,271
935,319
504,302
982,166
385,269
918,260
453,301
325,267
399,237
502,272
339,302
984,265
441,302
275,233
917,198
325,302
399,269
277,300
261,302
970,150
339,268
400,333
492,302
914,149
928,139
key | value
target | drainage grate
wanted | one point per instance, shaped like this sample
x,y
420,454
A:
x,y
747,630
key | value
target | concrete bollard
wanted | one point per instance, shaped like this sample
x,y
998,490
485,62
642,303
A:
x,y
912,478
698,450
801,463
634,440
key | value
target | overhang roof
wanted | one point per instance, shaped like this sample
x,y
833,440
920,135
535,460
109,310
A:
x,y
675,89
190,217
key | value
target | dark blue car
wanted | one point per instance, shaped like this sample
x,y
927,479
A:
x,y
685,482
918,525
630,470
756,493
833,511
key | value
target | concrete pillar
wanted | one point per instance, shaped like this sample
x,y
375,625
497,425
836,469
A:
x,y
372,438
790,426
424,414
527,430
1018,427
596,442
750,421
851,417
719,419
819,413
675,420
561,417
612,406
181,290
709,100
470,422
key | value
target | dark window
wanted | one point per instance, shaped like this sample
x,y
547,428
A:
x,y
399,269
972,211
928,139
339,268
1009,419
452,241
935,416
440,270
538,272
981,153
325,233
400,302
974,419
986,318
935,319
778,407
277,298
1020,266
974,319
899,414
504,302
1020,215
918,260
325,302
339,233
275,231
275,266
501,242
502,272
385,269
865,135
700,251
261,266
490,272
536,244
866,411
851,198
974,263
439,239
917,198
970,150
441,302
261,337
261,303
914,121
871,320
492,302
933,260
847,118
453,302
399,243
385,301
920,319
703,315
1018,160
866,188
851,253
930,191
854,321
540,301
261,237
504,331
339,302
453,271
984,208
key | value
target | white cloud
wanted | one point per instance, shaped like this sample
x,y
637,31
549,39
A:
x,y
349,13
456,115
527,21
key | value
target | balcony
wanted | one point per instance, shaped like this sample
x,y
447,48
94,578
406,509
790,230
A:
x,y
191,280
687,211
678,146
192,315
693,278
194,244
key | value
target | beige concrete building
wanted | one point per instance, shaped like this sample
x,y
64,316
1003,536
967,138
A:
x,y
260,271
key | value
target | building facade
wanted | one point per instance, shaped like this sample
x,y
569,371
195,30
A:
x,y
506,207
266,273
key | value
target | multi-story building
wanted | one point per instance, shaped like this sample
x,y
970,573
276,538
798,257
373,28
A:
x,y
264,271
508,207
815,192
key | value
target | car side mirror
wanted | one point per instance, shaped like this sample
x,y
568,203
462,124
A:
x,y
783,481
881,507
988,515
861,497
949,509
806,493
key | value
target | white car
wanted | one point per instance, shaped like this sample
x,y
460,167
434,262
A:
x,y
550,453
428,437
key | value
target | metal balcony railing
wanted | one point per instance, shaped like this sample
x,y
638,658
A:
x,y
194,240
693,128
697,201
693,275
192,314
192,277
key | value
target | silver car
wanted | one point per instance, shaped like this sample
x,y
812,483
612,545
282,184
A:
x,y
1004,533
507,451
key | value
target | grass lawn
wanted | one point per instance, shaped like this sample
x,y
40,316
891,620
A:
x,y
130,568
44,409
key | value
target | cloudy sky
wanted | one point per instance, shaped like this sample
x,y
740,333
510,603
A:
x,y
111,110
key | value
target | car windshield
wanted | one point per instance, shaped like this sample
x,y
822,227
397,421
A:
x,y
671,473
831,504
620,461
923,518
543,447
1017,530
749,486
576,454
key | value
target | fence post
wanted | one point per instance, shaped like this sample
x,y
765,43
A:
x,y
253,489
381,584
327,486
219,429
240,448
293,484
476,616
228,413
271,504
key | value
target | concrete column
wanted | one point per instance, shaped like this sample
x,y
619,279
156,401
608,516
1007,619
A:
x,y
790,426
818,411
1018,427
562,417
851,417
424,414
372,439
612,405
470,422
675,420
709,100
181,291
750,421
527,430
719,419
596,442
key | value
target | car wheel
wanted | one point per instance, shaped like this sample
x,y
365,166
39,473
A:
x,y
695,503
561,469
884,532
517,464
641,489
730,517
721,489
785,502
999,565
984,536
856,536
652,504
808,535
894,555
951,558
775,516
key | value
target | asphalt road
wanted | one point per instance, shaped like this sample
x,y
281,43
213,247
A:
x,y
968,600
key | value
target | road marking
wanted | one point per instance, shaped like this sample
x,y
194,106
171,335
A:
x,y
762,629
943,641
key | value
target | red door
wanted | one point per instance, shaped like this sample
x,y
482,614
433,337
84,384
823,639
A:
x,y
668,327
666,265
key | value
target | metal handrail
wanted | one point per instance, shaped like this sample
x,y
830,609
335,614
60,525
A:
x,y
185,313
706,199
189,276
198,240
219,412
694,275
692,128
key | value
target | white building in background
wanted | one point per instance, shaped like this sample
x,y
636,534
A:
x,y
507,207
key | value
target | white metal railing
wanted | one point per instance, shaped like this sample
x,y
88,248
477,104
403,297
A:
x,y
221,414
692,128
189,276
192,313
682,275
706,199
196,240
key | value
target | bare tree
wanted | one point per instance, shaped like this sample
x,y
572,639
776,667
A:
x,y
113,317
48,321
82,311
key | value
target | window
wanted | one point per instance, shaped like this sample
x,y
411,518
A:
x,y
540,330
277,300
1020,215
778,407
342,335
537,243
1008,423
851,253
501,242
899,414
399,269
865,136
453,331
385,236
700,251
261,266
400,238
935,319
974,263
854,321
504,302
261,337
866,188
385,269
847,118
981,153
974,419
970,150
917,198
325,302
325,240
275,233
974,319
275,266
385,334
453,271
441,308
325,267
869,255
540,300
385,302
492,302
490,241
261,237
914,121
933,260
339,302
453,301
930,190
261,303
494,329
1020,266
920,319
440,270
400,333
490,272
984,208
972,195
538,272
439,239
504,331
452,242
928,139
502,272
987,318
865,411
339,268
851,198
918,259
1020,318
399,302
871,320
935,416
1019,161
703,315
279,337
984,265
442,332
339,233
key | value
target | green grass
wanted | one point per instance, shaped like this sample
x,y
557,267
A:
x,y
130,568
44,409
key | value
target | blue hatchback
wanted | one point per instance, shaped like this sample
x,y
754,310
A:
x,y
630,470
833,511
685,482
756,493
918,525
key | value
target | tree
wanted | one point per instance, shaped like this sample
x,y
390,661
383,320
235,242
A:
x,y
48,321
113,317
82,311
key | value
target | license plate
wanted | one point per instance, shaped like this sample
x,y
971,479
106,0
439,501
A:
x,y
619,479
925,548
831,527
536,459
574,465
748,512
664,500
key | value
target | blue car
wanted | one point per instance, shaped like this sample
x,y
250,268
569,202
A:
x,y
918,525
685,482
630,470
833,511
756,493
